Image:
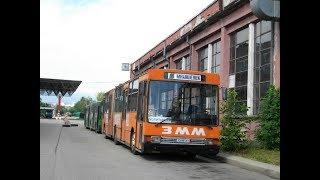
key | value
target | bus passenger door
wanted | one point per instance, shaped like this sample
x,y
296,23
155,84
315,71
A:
x,y
124,116
140,113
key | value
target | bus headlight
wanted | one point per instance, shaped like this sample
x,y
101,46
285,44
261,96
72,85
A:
x,y
213,142
209,142
155,139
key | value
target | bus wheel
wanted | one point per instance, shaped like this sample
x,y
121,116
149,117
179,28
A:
x,y
215,152
132,143
116,142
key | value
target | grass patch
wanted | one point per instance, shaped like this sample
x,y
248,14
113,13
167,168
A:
x,y
260,154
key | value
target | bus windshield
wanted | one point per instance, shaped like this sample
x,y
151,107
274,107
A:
x,y
182,103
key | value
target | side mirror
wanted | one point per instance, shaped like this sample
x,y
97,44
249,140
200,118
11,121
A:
x,y
141,88
224,93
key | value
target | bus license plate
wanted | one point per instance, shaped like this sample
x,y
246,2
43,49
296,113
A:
x,y
183,140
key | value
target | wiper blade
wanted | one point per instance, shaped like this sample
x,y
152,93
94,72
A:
x,y
209,126
160,122
202,123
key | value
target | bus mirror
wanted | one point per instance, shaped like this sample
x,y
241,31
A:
x,y
141,87
224,93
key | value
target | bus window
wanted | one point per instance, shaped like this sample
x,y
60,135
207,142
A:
x,y
182,103
119,100
133,96
110,109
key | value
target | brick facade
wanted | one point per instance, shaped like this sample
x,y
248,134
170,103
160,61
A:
x,y
215,23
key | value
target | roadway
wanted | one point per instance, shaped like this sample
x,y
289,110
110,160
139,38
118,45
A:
x,y
68,153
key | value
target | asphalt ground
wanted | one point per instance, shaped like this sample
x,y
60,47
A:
x,y
76,153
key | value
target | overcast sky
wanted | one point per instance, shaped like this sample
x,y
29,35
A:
x,y
88,40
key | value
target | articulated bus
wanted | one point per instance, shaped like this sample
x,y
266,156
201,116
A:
x,y
165,110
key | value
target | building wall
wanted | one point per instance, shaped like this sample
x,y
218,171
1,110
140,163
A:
x,y
221,30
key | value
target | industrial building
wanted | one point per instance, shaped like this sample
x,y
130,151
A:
x,y
225,38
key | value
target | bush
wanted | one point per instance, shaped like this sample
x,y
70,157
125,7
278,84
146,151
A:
x,y
269,132
233,138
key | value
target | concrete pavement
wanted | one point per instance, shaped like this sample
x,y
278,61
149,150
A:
x,y
82,154
251,165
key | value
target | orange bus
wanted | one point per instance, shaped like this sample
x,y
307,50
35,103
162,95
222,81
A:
x,y
165,110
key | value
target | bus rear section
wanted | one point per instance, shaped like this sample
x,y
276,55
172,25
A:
x,y
167,111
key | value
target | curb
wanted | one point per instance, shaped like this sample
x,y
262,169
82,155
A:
x,y
251,165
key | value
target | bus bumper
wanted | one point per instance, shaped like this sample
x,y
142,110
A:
x,y
171,148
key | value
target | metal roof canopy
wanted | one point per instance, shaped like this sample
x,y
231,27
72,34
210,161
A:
x,y
58,87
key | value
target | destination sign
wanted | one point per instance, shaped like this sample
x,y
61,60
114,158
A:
x,y
186,77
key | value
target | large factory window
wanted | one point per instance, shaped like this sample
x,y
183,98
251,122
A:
x,y
188,63
203,58
239,62
216,57
179,64
262,62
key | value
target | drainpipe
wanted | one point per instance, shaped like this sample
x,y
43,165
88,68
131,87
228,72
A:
x,y
190,51
165,54
154,62
138,67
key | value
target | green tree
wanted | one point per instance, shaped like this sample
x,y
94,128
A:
x,y
100,96
80,106
269,119
43,104
72,110
64,110
234,113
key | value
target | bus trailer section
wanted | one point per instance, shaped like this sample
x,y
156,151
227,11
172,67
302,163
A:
x,y
93,116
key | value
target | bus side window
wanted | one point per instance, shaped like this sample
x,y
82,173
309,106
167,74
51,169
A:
x,y
125,104
133,96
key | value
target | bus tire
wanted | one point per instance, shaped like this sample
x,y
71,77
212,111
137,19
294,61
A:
x,y
116,142
214,153
132,142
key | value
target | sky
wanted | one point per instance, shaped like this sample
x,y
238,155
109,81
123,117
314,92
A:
x,y
88,40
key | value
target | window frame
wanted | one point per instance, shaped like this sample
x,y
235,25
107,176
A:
x,y
234,59
179,64
257,82
202,59
133,96
215,54
188,62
